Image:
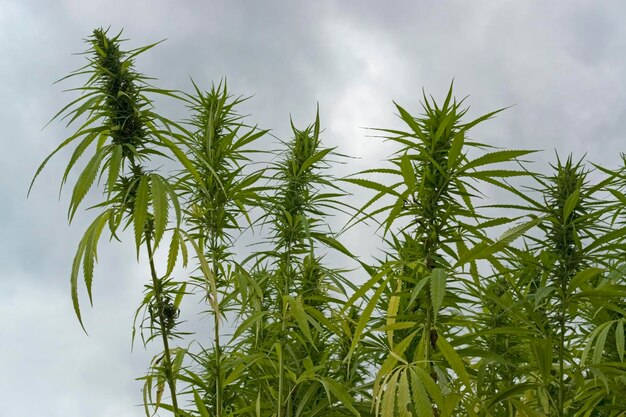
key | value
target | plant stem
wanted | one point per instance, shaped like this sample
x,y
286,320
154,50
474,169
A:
x,y
158,294
216,335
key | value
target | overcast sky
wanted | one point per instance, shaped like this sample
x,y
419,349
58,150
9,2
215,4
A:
x,y
561,64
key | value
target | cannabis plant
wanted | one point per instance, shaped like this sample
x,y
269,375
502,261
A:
x,y
118,124
429,221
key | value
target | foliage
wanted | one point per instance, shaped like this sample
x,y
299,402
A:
x,y
449,321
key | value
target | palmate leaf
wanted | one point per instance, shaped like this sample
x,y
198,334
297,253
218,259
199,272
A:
x,y
86,254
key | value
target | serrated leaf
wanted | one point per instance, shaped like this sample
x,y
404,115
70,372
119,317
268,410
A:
x,y
582,277
340,392
570,204
455,361
172,253
417,288
494,157
115,164
140,210
209,278
421,401
408,173
365,315
180,294
159,207
410,120
200,405
432,388
404,395
312,160
372,185
600,342
509,392
389,397
84,182
455,148
300,315
392,311
437,289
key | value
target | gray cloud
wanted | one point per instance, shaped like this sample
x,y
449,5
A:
x,y
561,64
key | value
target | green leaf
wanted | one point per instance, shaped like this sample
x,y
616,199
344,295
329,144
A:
x,y
183,159
517,389
437,289
180,294
312,160
367,312
404,395
422,402
200,405
600,342
140,210
372,185
301,317
392,312
606,238
115,164
406,168
389,397
493,158
484,250
172,254
409,120
85,181
159,207
433,389
619,339
582,277
570,204
209,278
340,392
455,148
454,360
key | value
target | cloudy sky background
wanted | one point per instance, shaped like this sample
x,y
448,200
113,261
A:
x,y
560,63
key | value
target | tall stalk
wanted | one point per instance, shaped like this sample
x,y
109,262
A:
x,y
217,144
428,216
118,121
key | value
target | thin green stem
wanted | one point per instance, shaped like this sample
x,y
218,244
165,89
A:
x,y
158,294
219,388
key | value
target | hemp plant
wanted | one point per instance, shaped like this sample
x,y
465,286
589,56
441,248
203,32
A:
x,y
217,146
118,122
580,250
429,215
300,297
